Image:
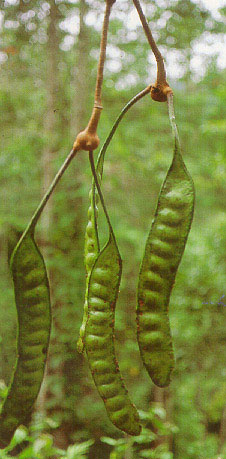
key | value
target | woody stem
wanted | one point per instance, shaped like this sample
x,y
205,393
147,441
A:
x,y
94,119
161,73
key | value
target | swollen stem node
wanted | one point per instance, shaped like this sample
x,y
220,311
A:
x,y
159,91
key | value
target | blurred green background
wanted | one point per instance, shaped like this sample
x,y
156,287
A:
x,y
48,60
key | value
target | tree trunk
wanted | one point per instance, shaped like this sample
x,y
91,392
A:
x,y
222,436
68,372
80,112
73,362
52,129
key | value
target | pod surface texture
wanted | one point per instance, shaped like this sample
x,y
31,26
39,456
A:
x,y
32,297
164,249
99,340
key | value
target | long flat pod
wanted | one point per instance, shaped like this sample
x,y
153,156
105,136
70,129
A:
x,y
32,298
103,290
34,318
164,249
91,251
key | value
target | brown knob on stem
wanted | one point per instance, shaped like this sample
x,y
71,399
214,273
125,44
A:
x,y
159,91
88,139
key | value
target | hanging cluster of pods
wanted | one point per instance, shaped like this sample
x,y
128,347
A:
x,y
163,251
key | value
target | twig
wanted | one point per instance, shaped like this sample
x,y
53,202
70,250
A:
x,y
135,99
161,88
37,213
100,160
103,46
88,139
92,165
172,117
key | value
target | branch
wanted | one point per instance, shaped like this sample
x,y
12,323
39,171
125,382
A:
x,y
88,139
161,88
172,117
36,215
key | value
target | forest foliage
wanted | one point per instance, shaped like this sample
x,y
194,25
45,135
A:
x,y
48,58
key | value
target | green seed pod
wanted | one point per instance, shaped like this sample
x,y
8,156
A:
x,y
164,249
34,319
91,237
98,310
91,252
99,339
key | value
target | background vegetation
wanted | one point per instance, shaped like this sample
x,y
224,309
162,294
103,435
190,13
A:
x,y
48,55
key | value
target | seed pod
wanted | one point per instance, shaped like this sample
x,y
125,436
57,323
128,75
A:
x,y
91,237
34,319
91,251
164,249
32,297
99,339
103,288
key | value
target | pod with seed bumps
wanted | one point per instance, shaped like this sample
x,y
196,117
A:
x,y
103,290
91,251
99,340
34,318
164,249
32,296
98,303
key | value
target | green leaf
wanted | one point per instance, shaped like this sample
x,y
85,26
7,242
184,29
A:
x,y
74,451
